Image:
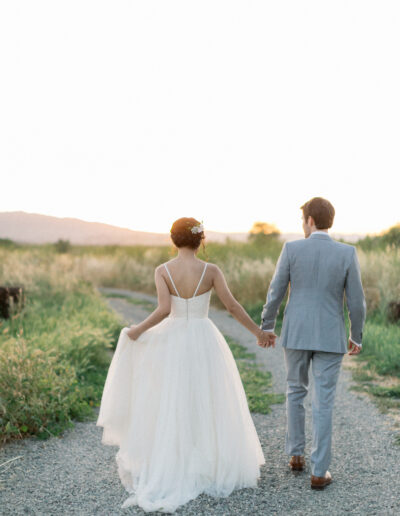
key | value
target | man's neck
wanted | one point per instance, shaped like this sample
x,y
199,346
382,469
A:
x,y
319,232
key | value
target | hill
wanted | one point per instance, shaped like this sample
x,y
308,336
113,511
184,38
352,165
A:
x,y
34,228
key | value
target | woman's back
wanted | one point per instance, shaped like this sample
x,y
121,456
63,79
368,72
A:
x,y
186,278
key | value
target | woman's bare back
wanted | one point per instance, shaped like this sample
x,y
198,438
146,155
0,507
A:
x,y
186,275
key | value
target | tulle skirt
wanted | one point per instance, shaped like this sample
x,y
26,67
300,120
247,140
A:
x,y
174,403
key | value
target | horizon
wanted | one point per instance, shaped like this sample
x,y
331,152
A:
x,y
299,231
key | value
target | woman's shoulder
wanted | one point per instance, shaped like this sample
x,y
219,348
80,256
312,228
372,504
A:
x,y
168,262
211,266
161,268
164,267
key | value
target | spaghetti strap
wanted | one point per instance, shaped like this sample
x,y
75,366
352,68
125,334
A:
x,y
172,281
202,276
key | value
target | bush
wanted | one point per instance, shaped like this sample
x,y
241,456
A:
x,y
62,246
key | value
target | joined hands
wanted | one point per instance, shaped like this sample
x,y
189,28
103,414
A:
x,y
266,339
354,349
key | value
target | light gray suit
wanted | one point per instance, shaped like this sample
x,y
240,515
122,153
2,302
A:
x,y
319,271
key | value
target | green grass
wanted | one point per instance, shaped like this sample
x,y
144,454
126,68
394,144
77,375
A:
x,y
54,358
378,371
381,347
256,382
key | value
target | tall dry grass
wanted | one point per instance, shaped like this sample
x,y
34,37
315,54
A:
x,y
248,273
380,272
248,269
247,278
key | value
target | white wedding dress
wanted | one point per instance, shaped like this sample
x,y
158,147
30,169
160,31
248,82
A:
x,y
174,403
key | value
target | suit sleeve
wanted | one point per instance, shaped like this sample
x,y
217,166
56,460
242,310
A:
x,y
276,292
355,299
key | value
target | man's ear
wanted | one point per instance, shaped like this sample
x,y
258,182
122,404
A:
x,y
310,221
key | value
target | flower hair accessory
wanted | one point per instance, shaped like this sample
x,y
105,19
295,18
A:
x,y
197,229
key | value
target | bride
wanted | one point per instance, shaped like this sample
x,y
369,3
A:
x,y
173,400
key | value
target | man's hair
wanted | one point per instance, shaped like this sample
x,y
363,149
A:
x,y
321,211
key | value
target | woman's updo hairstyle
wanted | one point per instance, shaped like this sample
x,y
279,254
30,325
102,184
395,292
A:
x,y
182,235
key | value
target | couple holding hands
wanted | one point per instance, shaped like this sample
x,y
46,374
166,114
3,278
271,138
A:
x,y
173,400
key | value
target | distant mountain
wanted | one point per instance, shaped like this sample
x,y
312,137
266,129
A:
x,y
33,228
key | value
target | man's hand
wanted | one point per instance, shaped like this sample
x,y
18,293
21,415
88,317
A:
x,y
266,339
353,348
133,333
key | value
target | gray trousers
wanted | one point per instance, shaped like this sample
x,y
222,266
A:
x,y
325,369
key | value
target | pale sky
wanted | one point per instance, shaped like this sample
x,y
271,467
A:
x,y
135,113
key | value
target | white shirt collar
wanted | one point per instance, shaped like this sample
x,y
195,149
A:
x,y
319,233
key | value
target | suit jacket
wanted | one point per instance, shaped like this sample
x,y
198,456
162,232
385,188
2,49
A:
x,y
319,271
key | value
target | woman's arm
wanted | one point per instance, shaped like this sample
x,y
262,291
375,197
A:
x,y
161,312
237,310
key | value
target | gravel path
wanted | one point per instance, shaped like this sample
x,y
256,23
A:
x,y
77,475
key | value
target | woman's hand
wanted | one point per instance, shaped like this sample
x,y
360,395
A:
x,y
266,339
134,332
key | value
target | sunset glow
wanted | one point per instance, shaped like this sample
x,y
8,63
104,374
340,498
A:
x,y
137,113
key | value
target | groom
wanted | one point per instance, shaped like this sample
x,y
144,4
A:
x,y
319,271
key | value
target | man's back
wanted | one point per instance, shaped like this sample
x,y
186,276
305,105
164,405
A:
x,y
319,271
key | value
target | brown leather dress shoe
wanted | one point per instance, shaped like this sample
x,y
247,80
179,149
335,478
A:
x,y
321,482
297,463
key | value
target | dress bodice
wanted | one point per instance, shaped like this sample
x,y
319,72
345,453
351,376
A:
x,y
195,307
192,308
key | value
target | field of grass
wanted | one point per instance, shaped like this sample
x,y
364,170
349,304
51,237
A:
x,y
247,267
54,354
